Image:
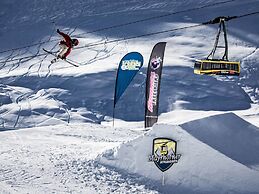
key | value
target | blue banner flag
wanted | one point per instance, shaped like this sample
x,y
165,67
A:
x,y
129,65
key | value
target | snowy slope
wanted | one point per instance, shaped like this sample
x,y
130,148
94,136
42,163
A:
x,y
55,120
181,46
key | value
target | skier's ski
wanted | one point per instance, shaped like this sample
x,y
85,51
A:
x,y
53,53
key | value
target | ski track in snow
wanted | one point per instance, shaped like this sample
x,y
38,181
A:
x,y
105,179
66,159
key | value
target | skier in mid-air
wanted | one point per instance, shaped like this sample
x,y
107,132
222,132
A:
x,y
65,45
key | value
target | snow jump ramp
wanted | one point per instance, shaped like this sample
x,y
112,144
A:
x,y
230,135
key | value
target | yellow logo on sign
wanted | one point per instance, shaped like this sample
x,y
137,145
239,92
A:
x,y
164,153
130,65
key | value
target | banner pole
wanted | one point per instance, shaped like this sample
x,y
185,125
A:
x,y
113,116
163,179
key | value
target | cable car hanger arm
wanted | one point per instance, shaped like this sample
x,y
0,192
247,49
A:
x,y
218,19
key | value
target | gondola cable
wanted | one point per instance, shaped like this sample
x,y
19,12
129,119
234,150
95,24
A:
x,y
143,35
128,23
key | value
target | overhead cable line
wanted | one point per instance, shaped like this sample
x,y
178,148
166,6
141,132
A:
x,y
139,36
171,30
145,35
160,16
128,23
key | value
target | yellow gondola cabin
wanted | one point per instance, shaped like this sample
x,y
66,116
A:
x,y
216,67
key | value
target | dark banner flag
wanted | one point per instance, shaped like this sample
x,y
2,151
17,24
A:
x,y
154,73
129,65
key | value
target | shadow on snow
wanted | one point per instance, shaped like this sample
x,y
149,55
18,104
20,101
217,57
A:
x,y
180,88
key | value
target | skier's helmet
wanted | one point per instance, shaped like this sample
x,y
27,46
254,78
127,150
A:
x,y
75,42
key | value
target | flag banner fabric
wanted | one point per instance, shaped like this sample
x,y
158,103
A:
x,y
129,65
153,80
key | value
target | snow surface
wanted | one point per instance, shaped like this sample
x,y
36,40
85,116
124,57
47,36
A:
x,y
56,129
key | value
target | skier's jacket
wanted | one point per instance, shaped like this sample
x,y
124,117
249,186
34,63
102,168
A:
x,y
67,41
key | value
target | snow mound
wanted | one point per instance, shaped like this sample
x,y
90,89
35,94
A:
x,y
201,168
230,135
